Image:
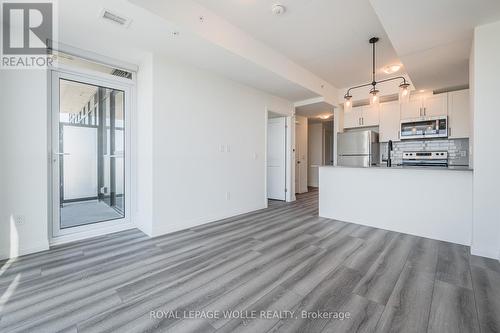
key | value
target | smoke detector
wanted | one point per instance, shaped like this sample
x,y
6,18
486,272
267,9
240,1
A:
x,y
115,18
278,9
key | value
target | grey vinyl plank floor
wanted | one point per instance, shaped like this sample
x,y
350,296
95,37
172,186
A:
x,y
272,270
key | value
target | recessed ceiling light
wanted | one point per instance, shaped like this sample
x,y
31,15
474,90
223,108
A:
x,y
325,116
391,69
421,90
278,9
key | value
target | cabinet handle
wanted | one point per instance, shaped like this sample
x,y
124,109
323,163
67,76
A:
x,y
449,131
425,111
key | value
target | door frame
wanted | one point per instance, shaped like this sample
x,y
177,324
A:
x,y
290,155
56,234
285,164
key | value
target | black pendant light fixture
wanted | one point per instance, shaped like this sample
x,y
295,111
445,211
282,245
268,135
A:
x,y
404,92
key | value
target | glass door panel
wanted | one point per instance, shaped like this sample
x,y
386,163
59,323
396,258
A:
x,y
91,150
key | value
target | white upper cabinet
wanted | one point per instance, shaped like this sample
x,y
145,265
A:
x,y
352,118
458,114
412,109
436,105
425,106
361,116
370,116
390,121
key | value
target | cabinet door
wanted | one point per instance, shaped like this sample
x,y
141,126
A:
x,y
353,118
458,114
390,121
436,105
412,109
370,116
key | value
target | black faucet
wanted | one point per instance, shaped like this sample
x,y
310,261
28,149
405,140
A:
x,y
389,149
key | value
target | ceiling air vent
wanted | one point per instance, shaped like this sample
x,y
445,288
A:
x,y
115,18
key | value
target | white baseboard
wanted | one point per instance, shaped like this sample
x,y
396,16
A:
x,y
91,233
208,219
486,254
43,246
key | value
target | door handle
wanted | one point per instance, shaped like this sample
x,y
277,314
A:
x,y
62,154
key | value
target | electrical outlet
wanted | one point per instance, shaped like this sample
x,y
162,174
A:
x,y
19,219
228,195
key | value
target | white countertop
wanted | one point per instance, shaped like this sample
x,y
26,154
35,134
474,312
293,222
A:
x,y
400,167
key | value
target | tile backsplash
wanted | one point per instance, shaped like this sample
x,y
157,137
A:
x,y
458,150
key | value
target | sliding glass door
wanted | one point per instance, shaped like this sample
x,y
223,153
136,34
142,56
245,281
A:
x,y
89,144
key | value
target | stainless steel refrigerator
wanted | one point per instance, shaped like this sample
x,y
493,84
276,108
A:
x,y
358,149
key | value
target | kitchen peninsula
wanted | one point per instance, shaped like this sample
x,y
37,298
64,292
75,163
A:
x,y
429,202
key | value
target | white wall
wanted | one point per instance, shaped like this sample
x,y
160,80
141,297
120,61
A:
x,y
23,164
181,178
142,149
208,156
486,63
315,152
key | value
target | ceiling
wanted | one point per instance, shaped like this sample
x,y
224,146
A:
x,y
314,110
79,24
74,96
327,37
434,38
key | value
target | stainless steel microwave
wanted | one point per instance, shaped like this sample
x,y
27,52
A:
x,y
424,128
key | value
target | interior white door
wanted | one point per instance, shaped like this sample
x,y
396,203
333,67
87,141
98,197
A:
x,y
301,133
276,158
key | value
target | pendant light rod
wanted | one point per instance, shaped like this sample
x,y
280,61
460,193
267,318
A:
x,y
373,41
374,82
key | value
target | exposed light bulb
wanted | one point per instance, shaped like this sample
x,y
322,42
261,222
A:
x,y
374,98
404,93
347,103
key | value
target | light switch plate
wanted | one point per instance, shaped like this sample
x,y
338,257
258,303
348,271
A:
x,y
19,219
